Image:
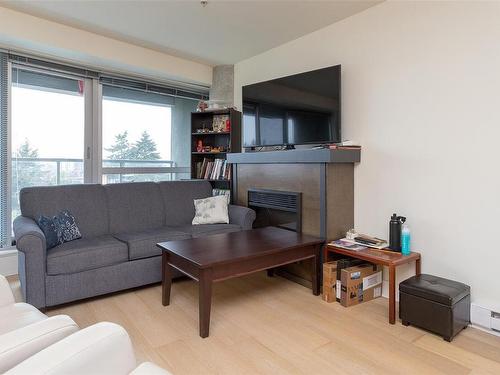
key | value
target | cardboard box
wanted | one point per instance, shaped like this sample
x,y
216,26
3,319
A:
x,y
329,281
360,284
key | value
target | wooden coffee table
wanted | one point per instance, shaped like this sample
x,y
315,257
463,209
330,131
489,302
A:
x,y
223,256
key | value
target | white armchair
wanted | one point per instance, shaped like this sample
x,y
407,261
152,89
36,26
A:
x,y
24,330
104,348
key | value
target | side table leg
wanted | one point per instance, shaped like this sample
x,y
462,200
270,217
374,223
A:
x,y
417,267
205,301
166,279
325,254
392,294
316,266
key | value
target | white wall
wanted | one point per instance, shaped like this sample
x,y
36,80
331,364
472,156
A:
x,y
27,33
421,93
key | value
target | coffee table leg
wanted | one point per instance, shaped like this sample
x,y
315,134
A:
x,y
392,294
205,285
315,269
166,281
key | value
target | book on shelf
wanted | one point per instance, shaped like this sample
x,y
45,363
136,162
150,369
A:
x,y
345,145
218,169
225,192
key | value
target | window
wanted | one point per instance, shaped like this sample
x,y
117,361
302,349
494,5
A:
x,y
141,133
67,125
5,214
47,131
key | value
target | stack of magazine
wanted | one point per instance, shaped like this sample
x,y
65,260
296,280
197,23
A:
x,y
344,244
360,242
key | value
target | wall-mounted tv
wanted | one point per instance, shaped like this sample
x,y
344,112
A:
x,y
299,109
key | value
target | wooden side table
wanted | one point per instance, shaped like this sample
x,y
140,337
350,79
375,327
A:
x,y
387,258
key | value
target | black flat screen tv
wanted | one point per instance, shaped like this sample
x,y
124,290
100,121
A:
x,y
299,109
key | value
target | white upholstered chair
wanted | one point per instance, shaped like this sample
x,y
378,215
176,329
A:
x,y
24,330
103,348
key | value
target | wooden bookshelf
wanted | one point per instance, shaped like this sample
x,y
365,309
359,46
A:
x,y
229,141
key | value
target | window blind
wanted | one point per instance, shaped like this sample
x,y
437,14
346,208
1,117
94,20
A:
x,y
4,156
152,88
42,81
173,89
136,96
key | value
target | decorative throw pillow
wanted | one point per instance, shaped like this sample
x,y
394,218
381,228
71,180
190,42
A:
x,y
51,230
69,229
213,210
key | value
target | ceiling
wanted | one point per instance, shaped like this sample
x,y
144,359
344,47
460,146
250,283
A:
x,y
222,32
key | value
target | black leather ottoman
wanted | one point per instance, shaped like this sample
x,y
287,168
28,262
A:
x,y
439,305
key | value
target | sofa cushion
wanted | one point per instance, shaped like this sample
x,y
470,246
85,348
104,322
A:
x,y
86,254
134,207
87,202
178,198
143,244
208,229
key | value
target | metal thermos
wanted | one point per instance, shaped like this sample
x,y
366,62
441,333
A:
x,y
395,232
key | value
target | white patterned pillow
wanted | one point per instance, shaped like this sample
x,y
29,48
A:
x,y
67,226
213,210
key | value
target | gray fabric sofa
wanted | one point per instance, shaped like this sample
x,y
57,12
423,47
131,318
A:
x,y
120,226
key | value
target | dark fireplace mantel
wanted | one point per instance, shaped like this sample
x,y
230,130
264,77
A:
x,y
296,156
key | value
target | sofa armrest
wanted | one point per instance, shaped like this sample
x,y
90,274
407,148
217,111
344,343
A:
x,y
29,237
242,216
103,348
31,243
20,344
6,296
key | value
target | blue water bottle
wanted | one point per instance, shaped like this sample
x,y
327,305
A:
x,y
405,240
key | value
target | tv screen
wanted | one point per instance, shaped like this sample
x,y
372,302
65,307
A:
x,y
299,109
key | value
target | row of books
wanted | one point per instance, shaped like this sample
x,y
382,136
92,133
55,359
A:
x,y
215,169
225,192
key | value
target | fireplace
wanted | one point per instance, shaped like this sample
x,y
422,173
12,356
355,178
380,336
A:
x,y
278,208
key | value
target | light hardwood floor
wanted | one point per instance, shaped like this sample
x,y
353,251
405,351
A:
x,y
264,325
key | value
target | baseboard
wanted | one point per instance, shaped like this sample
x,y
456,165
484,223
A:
x,y
8,262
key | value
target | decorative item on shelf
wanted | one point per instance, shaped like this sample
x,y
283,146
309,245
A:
x,y
219,123
199,146
228,125
202,106
215,104
206,149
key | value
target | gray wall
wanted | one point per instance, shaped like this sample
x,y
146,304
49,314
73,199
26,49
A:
x,y
223,84
181,131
